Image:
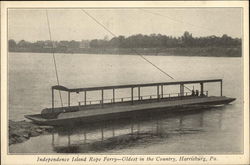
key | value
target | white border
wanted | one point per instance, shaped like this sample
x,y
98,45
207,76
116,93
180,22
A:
x,y
31,159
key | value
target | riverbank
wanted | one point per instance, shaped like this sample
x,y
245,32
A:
x,y
20,131
183,51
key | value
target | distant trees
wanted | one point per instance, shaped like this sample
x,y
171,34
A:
x,y
187,39
12,45
134,41
163,41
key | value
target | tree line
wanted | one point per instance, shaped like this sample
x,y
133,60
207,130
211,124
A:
x,y
134,41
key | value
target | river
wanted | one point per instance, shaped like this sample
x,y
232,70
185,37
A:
x,y
219,130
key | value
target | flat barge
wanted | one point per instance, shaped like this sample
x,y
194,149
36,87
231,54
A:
x,y
87,112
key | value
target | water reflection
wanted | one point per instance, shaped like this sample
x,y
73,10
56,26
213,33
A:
x,y
115,134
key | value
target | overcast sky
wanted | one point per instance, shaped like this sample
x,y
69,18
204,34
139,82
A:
x,y
73,24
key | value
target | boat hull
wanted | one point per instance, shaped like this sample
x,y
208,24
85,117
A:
x,y
127,112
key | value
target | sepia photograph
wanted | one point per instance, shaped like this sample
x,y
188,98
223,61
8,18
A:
x,y
139,80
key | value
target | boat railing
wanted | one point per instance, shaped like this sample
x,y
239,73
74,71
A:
x,y
141,98
135,88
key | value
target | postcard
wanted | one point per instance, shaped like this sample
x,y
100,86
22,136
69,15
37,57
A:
x,y
144,82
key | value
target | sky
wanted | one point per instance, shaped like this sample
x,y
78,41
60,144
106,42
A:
x,y
74,24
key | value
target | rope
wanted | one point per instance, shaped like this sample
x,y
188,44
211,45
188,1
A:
x,y
152,63
99,23
180,21
131,48
54,58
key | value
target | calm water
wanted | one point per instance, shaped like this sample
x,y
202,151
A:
x,y
218,130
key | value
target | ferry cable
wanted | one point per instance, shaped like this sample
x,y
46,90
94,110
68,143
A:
x,y
130,48
54,58
180,21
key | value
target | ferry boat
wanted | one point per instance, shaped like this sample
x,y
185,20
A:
x,y
115,108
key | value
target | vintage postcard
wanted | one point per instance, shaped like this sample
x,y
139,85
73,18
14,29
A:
x,y
125,82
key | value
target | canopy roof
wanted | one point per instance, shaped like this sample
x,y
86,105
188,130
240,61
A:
x,y
62,88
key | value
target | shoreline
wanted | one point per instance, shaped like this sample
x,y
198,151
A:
x,y
20,131
188,52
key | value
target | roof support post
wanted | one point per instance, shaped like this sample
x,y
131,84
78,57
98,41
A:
x,y
132,95
102,97
85,97
52,99
113,95
181,89
139,93
202,89
68,98
161,91
158,92
221,88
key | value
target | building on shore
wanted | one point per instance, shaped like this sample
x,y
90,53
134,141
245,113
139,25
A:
x,y
85,44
